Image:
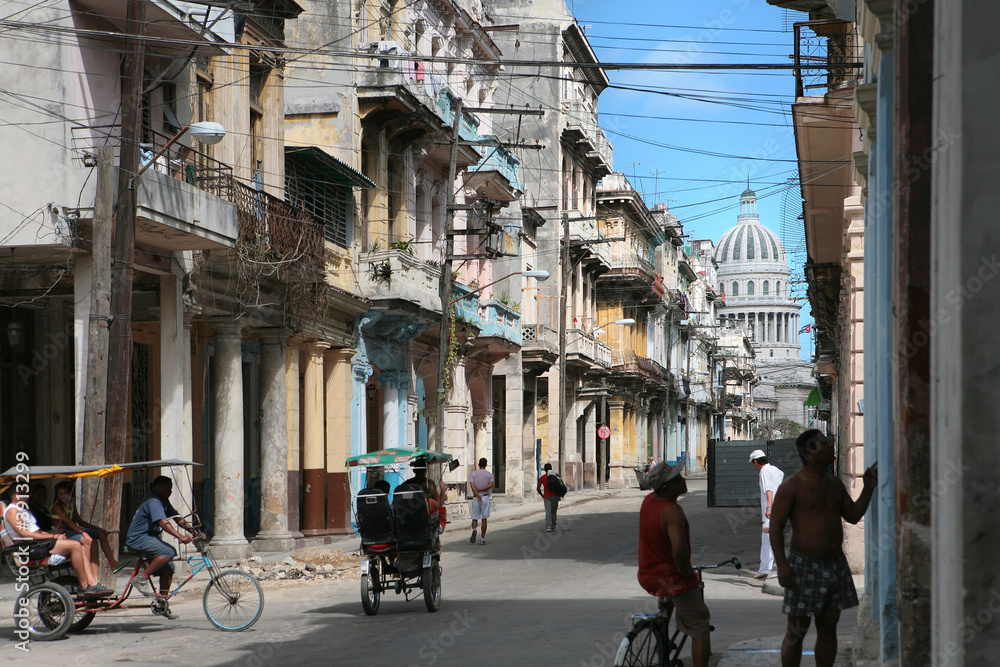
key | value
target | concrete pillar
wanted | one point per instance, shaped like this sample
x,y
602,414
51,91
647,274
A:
x,y
339,380
313,446
361,370
481,433
293,407
274,534
228,541
82,284
175,431
617,442
430,417
394,405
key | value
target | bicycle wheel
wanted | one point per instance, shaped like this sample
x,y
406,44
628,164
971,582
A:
x,y
81,619
431,580
233,601
45,611
642,647
371,588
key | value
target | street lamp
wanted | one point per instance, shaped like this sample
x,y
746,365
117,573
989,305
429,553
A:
x,y
206,132
626,322
537,275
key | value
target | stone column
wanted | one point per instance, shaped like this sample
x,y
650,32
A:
x,y
394,389
82,285
481,433
228,542
274,534
339,381
313,449
430,417
293,407
619,470
174,443
361,370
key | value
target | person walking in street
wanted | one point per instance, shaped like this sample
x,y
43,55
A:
x,y
665,559
481,486
815,574
549,497
770,480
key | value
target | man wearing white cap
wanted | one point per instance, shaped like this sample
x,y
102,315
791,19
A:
x,y
770,480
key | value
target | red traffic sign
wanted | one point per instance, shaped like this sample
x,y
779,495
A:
x,y
604,432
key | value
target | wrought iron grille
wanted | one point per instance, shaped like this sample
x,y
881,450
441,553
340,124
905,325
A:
x,y
827,56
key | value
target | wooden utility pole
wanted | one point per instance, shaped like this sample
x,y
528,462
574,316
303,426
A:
x,y
446,269
96,399
120,334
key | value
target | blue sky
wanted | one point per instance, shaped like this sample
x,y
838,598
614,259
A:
x,y
691,138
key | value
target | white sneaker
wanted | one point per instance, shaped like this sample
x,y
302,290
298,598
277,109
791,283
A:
x,y
760,575
142,584
482,540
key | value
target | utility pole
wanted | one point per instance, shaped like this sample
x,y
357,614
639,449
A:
x,y
446,269
563,308
120,334
96,400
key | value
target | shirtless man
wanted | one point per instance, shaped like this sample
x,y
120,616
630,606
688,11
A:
x,y
815,574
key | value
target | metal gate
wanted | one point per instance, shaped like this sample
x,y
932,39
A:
x,y
733,481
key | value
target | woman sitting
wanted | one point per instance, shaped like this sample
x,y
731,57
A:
x,y
19,523
66,516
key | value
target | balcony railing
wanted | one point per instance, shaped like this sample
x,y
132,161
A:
x,y
500,321
188,164
275,231
586,345
396,274
539,333
579,117
828,56
584,230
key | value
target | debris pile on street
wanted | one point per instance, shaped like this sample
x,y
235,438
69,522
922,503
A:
x,y
309,564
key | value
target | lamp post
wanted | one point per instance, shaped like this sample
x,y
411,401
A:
x,y
537,275
564,348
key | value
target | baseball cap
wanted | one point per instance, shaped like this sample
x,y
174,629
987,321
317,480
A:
x,y
661,473
757,454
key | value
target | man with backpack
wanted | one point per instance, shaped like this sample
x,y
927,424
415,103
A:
x,y
552,489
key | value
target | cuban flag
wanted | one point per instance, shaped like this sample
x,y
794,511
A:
x,y
806,329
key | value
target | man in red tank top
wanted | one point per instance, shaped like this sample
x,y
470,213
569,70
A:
x,y
665,558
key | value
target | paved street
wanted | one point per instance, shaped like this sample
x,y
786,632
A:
x,y
525,598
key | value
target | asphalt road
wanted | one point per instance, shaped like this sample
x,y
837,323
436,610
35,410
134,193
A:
x,y
525,598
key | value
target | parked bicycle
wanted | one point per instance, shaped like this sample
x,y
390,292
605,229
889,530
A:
x,y
649,643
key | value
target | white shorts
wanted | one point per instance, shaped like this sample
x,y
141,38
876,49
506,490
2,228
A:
x,y
479,508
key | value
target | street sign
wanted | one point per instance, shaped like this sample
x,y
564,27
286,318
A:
x,y
604,432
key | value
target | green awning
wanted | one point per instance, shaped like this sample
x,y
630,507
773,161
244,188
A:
x,y
814,398
332,169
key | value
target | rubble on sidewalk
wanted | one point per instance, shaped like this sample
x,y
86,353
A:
x,y
308,564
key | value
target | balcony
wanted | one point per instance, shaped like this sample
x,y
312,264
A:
x,y
271,230
184,201
396,275
497,176
177,25
627,361
828,56
539,348
585,347
498,320
632,268
583,231
582,123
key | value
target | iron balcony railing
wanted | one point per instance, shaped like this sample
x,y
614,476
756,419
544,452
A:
x,y
828,56
276,230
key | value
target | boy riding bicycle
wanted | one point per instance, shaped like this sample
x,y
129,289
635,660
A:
x,y
665,558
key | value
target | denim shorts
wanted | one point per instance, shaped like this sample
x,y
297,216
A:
x,y
73,535
151,546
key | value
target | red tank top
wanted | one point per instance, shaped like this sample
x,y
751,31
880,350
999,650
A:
x,y
657,571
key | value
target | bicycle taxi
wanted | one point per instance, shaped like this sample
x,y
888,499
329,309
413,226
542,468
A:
x,y
400,540
51,605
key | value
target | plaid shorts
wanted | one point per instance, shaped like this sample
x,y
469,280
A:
x,y
820,583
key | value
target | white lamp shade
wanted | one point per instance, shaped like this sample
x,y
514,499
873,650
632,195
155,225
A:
x,y
627,322
207,132
537,275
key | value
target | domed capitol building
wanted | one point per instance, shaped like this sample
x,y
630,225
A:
x,y
754,278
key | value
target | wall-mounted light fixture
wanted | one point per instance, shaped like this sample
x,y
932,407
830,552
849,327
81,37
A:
x,y
14,334
370,391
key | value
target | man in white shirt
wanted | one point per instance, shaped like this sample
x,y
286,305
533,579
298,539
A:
x,y
480,486
770,480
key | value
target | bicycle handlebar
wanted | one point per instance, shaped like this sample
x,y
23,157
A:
x,y
735,562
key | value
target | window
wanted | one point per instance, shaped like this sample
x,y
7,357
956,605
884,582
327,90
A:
x,y
750,288
329,204
736,288
764,289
